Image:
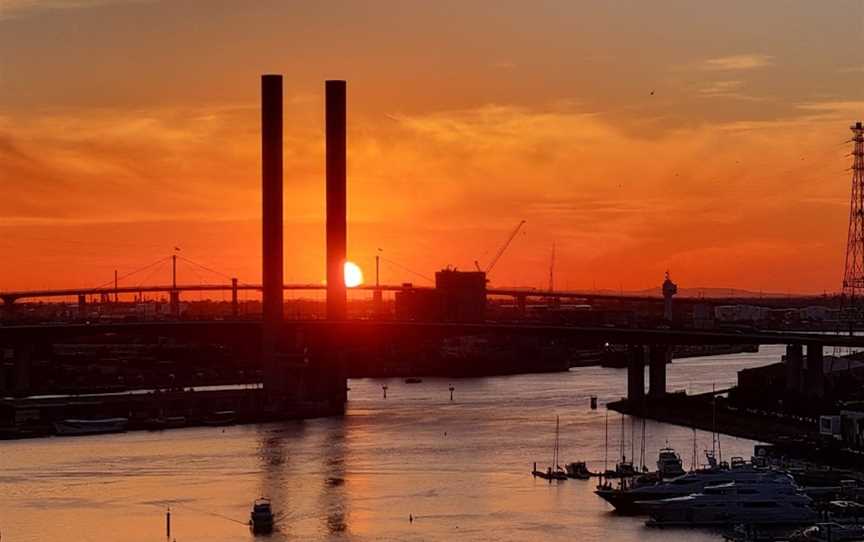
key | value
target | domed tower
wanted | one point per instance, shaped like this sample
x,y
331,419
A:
x,y
669,289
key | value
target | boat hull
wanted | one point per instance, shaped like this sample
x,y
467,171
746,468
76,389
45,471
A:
x,y
71,428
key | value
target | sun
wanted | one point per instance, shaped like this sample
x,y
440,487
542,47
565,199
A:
x,y
353,275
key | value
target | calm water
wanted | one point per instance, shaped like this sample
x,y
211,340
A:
x,y
461,468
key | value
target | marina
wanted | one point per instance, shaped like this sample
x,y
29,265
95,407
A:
x,y
445,464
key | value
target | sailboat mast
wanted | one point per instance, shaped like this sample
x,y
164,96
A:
x,y
621,441
693,461
713,422
642,452
606,456
555,453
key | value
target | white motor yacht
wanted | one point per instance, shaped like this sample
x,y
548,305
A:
x,y
755,503
669,464
624,499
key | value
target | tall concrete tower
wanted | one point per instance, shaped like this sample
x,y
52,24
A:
x,y
271,179
336,150
853,276
669,290
271,220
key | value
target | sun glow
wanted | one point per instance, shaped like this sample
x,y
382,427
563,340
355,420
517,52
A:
x,y
353,275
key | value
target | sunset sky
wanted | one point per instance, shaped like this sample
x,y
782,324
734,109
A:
x,y
707,138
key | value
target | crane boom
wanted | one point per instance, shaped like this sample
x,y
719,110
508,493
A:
x,y
503,248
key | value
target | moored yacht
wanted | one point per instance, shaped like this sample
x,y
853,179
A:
x,y
669,464
774,502
829,532
626,499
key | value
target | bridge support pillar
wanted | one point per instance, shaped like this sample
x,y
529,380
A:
x,y
235,307
4,385
8,312
659,357
21,368
174,297
794,364
522,304
377,302
636,374
815,373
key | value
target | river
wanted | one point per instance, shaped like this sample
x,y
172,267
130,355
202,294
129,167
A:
x,y
460,468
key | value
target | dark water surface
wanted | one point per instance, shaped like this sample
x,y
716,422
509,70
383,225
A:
x,y
460,468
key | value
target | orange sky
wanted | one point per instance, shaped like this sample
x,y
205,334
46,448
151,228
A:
x,y
128,127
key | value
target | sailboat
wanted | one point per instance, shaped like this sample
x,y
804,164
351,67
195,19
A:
x,y
554,472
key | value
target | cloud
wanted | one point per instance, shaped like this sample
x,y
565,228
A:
x,y
10,9
738,62
620,203
834,108
503,65
727,89
721,88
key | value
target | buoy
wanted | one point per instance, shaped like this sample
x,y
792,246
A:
x,y
451,391
410,518
384,387
593,402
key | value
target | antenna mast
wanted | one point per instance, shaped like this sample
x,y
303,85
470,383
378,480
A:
x,y
853,276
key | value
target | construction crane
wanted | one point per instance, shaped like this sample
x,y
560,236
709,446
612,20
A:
x,y
500,250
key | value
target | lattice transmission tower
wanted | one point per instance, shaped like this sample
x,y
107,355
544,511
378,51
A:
x,y
853,276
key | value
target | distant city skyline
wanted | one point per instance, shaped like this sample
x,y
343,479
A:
x,y
709,140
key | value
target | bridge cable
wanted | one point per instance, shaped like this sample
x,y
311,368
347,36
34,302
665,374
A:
x,y
151,273
127,275
422,276
210,270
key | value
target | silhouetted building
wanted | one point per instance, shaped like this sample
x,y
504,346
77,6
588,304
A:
x,y
463,294
459,296
423,304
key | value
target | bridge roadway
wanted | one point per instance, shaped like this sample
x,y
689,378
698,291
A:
x,y
357,331
10,297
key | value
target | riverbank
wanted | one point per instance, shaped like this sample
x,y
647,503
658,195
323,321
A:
x,y
37,416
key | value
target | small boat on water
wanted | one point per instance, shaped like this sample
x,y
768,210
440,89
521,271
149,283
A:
x,y
221,417
165,422
623,469
579,470
553,472
74,427
261,518
413,380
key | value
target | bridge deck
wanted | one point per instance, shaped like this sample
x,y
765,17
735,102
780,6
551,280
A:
x,y
359,329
